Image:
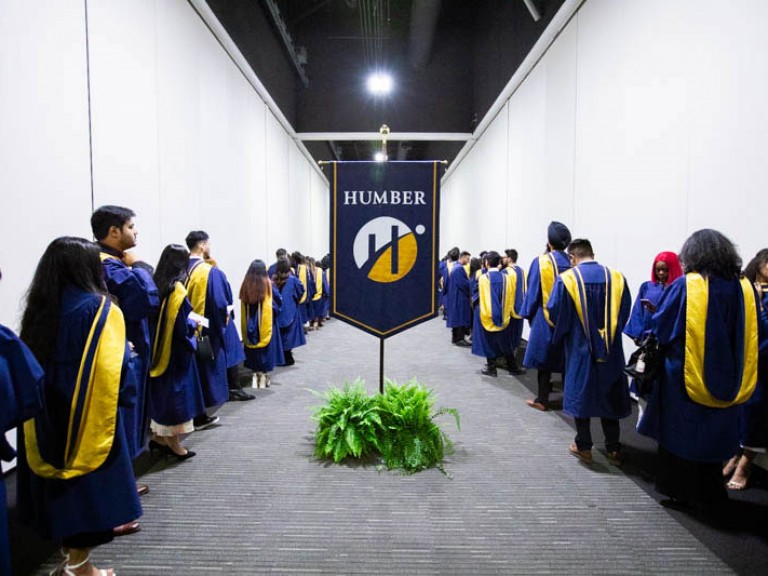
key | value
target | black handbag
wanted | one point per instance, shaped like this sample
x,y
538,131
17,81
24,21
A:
x,y
204,350
645,364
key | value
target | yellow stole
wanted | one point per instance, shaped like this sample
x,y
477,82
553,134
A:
x,y
486,302
614,287
548,271
303,279
161,351
264,314
197,285
318,284
697,302
90,440
105,256
513,275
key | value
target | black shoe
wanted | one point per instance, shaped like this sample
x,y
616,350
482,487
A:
x,y
489,371
204,421
518,371
463,344
240,395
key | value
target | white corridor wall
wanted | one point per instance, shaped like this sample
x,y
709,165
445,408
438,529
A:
x,y
174,131
642,123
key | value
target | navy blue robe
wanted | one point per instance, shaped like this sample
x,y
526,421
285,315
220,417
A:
x,y
639,325
21,389
540,353
99,500
683,427
490,345
138,298
264,359
458,302
291,327
213,373
516,324
176,395
754,417
595,384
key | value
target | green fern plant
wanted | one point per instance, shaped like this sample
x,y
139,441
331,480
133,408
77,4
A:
x,y
348,424
413,441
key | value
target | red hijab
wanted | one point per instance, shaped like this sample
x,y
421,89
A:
x,y
673,264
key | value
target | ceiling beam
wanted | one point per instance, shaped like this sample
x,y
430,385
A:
x,y
413,136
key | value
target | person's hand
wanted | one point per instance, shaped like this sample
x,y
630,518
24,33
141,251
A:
x,y
759,288
649,305
130,258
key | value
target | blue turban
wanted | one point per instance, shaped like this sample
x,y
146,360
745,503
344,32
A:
x,y
558,235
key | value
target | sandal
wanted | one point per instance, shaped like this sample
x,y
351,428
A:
x,y
67,569
60,566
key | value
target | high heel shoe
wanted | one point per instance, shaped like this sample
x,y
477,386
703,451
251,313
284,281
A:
x,y
179,457
155,446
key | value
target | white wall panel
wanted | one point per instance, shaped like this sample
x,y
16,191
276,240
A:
x,y
44,166
299,192
281,226
319,214
123,72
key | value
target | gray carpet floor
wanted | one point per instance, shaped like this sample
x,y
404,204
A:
x,y
255,501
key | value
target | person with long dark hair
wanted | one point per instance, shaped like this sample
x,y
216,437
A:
x,y
21,388
260,303
754,417
707,324
174,385
75,478
289,319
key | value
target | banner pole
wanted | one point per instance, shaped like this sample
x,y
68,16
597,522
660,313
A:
x,y
381,365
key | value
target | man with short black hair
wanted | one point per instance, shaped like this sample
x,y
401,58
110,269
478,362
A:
x,y
133,287
590,304
517,277
279,253
458,302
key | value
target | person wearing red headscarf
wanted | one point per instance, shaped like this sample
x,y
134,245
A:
x,y
666,269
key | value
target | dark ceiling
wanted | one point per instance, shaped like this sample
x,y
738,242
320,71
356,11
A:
x,y
450,59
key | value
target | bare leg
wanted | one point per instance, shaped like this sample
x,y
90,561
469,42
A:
x,y
740,477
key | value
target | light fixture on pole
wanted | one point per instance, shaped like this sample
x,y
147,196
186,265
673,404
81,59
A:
x,y
382,155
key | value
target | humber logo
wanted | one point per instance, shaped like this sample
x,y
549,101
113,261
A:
x,y
385,248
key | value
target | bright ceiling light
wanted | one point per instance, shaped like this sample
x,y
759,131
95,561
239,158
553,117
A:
x,y
380,83
380,157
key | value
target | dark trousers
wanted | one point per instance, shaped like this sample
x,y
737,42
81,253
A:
x,y
545,386
457,334
610,429
233,378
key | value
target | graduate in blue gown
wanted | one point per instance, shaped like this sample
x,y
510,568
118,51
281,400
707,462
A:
x,y
174,385
459,300
517,275
494,300
75,478
211,297
754,418
540,353
260,303
136,294
707,324
590,305
304,276
316,303
665,270
279,253
289,320
444,270
21,390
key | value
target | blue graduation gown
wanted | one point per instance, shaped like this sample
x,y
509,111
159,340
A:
x,y
213,373
21,388
264,359
639,325
687,429
233,346
138,298
540,353
458,302
592,388
516,324
99,500
291,326
326,295
176,395
484,343
754,417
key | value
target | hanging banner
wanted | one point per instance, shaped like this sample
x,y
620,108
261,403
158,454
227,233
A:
x,y
384,240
